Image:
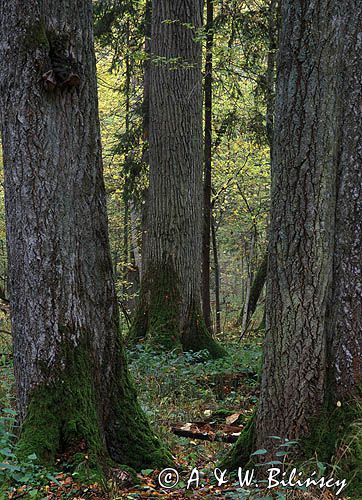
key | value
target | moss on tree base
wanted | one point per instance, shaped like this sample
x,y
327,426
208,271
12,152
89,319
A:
x,y
65,418
159,320
196,337
129,436
158,313
336,439
239,454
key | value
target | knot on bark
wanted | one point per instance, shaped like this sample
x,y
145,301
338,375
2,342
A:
x,y
63,70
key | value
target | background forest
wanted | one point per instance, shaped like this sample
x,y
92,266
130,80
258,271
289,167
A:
x,y
196,101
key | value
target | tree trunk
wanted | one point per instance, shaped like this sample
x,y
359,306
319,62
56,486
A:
x,y
74,392
207,207
170,303
345,312
256,290
217,278
311,384
146,125
302,215
249,281
134,221
302,228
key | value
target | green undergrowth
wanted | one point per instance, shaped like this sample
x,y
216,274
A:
x,y
172,387
15,472
184,387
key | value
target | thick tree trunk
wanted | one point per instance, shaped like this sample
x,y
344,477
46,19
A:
x,y
74,393
345,312
207,207
302,228
146,124
170,303
311,385
302,215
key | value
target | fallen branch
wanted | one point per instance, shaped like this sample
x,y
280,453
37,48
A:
x,y
204,432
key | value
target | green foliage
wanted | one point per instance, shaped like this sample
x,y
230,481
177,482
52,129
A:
x,y
16,472
182,386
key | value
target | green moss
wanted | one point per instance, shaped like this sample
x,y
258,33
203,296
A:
x,y
62,417
239,455
336,439
196,336
130,438
158,314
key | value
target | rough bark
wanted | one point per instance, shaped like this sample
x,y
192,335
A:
x,y
302,218
146,124
74,392
170,303
345,313
207,207
311,385
336,431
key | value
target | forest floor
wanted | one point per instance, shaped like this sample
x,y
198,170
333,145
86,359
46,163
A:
x,y
197,407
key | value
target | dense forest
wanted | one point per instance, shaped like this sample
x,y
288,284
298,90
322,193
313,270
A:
x,y
181,249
